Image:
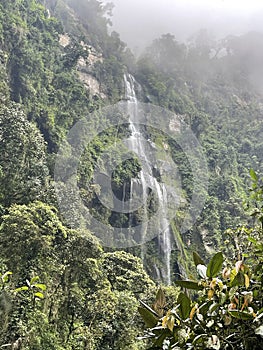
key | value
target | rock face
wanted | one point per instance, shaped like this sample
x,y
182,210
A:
x,y
84,68
91,83
64,40
85,65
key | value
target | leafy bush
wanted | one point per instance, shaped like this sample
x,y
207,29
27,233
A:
x,y
226,309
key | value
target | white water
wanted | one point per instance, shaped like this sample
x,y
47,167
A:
x,y
148,181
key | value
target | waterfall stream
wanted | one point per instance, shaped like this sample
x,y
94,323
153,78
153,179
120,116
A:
x,y
148,182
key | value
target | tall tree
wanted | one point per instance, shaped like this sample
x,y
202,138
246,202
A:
x,y
23,169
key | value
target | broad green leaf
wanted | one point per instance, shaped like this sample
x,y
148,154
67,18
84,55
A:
x,y
159,341
233,275
205,307
199,337
215,265
239,280
20,289
160,302
185,305
149,319
34,279
253,175
149,308
197,259
40,286
39,295
189,285
242,315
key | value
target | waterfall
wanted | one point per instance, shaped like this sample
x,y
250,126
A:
x,y
148,182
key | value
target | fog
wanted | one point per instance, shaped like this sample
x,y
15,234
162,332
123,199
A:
x,y
141,21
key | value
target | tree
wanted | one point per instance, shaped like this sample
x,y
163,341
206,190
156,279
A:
x,y
89,294
23,169
32,233
167,54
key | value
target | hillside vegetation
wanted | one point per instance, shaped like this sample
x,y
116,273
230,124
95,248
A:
x,y
60,288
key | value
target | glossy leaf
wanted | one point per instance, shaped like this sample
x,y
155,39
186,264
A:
x,y
205,307
242,315
20,289
239,280
215,265
185,305
197,259
149,319
41,286
160,302
189,285
39,295
34,279
149,308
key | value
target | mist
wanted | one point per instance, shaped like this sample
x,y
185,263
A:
x,y
140,21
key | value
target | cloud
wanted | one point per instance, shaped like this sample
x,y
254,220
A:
x,y
141,21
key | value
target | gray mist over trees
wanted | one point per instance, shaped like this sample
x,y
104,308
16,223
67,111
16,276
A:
x,y
141,21
221,28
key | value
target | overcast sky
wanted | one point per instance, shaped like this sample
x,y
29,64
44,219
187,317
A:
x,y
140,21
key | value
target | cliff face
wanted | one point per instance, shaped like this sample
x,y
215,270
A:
x,y
59,66
59,63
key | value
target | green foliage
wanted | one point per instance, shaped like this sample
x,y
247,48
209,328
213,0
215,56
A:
x,y
42,73
91,296
255,204
215,265
86,296
201,89
25,299
34,288
227,311
30,232
125,271
24,172
126,171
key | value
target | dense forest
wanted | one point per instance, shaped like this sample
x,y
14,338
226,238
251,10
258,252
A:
x,y
62,287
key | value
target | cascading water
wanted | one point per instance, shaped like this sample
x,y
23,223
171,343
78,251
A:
x,y
148,182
